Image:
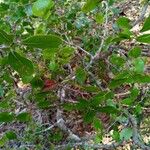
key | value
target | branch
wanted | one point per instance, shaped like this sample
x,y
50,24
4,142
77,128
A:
x,y
80,48
136,136
63,127
105,32
85,144
143,12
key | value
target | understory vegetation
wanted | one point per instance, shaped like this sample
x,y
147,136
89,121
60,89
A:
x,y
74,74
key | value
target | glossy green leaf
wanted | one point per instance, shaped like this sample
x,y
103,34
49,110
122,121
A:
x,y
41,7
126,134
24,117
22,65
144,38
43,41
80,75
11,135
135,52
6,117
146,25
90,5
5,38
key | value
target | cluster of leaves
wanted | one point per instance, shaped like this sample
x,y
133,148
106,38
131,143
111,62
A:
x,y
38,40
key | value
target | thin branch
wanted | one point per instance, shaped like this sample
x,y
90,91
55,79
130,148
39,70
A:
x,y
85,144
64,128
80,48
143,12
105,32
136,136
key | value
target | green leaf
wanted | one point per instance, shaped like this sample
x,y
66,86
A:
x,y
116,135
144,38
82,105
123,23
43,41
67,51
127,101
43,104
3,7
90,5
139,65
108,110
135,52
117,60
117,82
80,75
49,53
126,134
91,89
22,65
37,82
5,38
7,77
3,141
89,116
97,99
139,78
24,117
11,135
99,18
41,7
6,117
146,25
53,66
69,107
134,93
97,123
138,109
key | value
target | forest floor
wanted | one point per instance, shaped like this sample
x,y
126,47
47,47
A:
x,y
44,121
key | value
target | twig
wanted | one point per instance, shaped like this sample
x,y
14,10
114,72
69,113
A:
x,y
80,48
63,127
96,56
143,12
